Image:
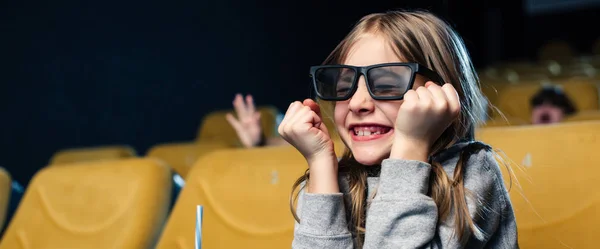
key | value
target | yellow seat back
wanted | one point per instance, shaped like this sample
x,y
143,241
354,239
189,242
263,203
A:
x,y
245,194
584,116
504,121
555,50
215,126
182,156
5,190
514,100
596,47
491,90
116,204
92,154
556,174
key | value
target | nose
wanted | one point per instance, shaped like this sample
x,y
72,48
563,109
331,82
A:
x,y
361,102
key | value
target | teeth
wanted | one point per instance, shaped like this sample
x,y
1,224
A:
x,y
366,133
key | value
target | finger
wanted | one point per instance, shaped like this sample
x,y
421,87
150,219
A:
x,y
237,96
239,106
233,122
315,118
425,96
250,104
284,121
439,97
452,96
318,123
299,115
289,116
257,116
256,121
411,96
313,106
293,109
305,119
316,109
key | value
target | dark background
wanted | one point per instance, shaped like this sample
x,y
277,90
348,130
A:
x,y
88,73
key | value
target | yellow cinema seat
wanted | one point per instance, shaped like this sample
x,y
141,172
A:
x,y
182,156
107,204
596,47
215,126
491,90
514,100
584,116
506,121
92,154
553,187
5,190
245,194
555,50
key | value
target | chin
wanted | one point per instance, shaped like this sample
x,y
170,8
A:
x,y
368,159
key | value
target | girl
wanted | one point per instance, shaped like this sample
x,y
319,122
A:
x,y
413,176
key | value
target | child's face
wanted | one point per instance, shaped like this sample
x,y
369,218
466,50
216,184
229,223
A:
x,y
546,114
366,125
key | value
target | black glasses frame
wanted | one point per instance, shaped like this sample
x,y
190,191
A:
x,y
416,68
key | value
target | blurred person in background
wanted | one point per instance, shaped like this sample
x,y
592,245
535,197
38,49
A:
x,y
247,124
550,105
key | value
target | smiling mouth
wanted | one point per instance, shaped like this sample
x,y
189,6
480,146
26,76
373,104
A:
x,y
368,132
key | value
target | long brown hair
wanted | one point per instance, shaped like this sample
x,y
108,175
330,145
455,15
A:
x,y
418,36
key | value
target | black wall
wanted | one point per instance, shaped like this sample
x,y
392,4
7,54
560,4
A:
x,y
87,73
578,27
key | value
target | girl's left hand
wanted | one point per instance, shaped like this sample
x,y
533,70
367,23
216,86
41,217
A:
x,y
423,116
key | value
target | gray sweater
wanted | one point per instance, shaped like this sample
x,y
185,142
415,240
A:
x,y
401,215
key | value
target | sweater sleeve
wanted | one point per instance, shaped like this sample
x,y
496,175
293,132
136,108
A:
x,y
322,222
402,215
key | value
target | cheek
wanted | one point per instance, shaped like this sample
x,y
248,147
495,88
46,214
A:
x,y
390,109
557,113
340,111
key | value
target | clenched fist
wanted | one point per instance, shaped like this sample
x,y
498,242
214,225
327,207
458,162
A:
x,y
303,128
422,118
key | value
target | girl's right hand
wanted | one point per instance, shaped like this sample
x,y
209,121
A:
x,y
303,128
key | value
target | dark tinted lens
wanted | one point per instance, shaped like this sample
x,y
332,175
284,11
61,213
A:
x,y
389,81
334,82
